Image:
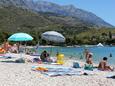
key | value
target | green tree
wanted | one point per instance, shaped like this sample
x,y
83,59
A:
x,y
110,35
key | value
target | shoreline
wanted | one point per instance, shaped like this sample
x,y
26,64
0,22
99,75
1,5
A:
x,y
75,59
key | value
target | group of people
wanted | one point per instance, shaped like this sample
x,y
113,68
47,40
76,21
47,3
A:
x,y
102,64
10,48
45,57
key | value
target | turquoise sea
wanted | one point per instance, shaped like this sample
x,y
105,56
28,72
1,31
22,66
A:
x,y
78,52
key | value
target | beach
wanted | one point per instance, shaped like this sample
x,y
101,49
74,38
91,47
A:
x,y
20,74
57,43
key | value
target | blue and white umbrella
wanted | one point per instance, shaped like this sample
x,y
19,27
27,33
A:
x,y
53,36
20,37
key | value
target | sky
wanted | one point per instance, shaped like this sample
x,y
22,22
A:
x,y
102,8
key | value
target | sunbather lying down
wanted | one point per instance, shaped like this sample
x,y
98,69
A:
x,y
103,65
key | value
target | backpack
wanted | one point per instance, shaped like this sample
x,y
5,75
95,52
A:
x,y
76,65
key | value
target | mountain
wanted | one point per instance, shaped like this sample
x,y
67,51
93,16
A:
x,y
14,19
68,10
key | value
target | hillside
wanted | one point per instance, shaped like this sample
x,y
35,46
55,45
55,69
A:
x,y
68,10
13,19
17,19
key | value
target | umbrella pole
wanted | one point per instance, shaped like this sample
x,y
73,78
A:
x,y
21,53
51,51
58,49
18,45
25,48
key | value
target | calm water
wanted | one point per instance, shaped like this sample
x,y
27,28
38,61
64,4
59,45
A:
x,y
74,52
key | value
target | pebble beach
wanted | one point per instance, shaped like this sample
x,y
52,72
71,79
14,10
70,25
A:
x,y
20,74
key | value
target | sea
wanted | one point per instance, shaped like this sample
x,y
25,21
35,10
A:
x,y
78,52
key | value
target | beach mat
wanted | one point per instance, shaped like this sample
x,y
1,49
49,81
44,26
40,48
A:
x,y
62,73
58,70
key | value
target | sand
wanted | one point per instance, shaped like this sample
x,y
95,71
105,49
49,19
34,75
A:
x,y
20,74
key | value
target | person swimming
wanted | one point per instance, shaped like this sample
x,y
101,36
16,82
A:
x,y
110,55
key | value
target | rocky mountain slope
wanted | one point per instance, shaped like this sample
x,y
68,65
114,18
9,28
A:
x,y
69,10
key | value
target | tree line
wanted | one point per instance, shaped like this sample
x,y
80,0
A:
x,y
91,37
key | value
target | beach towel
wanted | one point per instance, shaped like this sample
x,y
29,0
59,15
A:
x,y
57,70
70,73
41,69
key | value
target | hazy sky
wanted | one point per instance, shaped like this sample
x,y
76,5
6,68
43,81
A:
x,y
102,8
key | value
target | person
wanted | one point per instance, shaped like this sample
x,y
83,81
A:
x,y
44,56
6,46
86,53
110,55
14,48
89,58
103,65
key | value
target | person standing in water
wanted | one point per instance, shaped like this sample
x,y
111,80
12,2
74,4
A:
x,y
88,57
86,53
110,55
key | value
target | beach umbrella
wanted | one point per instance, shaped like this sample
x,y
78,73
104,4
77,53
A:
x,y
20,37
53,36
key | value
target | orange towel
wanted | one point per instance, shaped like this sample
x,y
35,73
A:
x,y
41,69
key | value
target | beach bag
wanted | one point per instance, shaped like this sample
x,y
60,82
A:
x,y
35,59
20,60
60,59
113,77
88,67
76,65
